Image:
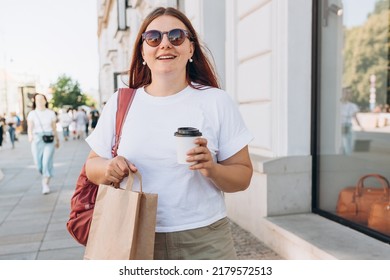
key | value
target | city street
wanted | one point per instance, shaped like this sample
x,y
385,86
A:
x,y
33,226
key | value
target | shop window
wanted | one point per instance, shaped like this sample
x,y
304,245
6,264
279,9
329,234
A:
x,y
351,113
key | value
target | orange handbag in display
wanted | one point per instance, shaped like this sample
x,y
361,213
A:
x,y
354,203
379,218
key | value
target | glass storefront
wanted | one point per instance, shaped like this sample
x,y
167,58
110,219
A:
x,y
351,94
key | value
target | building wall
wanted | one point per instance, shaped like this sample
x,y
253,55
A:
x,y
116,46
11,84
208,19
107,47
268,69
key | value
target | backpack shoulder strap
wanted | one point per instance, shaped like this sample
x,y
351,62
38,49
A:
x,y
125,99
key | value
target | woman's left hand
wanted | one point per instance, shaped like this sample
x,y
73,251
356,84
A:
x,y
201,158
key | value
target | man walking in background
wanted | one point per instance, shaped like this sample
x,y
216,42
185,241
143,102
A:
x,y
94,114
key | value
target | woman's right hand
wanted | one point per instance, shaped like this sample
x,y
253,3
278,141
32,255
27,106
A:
x,y
108,171
117,169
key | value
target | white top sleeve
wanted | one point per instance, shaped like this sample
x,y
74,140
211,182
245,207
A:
x,y
233,134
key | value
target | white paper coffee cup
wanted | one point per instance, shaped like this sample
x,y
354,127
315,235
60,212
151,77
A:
x,y
185,138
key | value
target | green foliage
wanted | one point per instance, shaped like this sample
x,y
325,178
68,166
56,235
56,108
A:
x,y
90,101
67,92
380,6
366,50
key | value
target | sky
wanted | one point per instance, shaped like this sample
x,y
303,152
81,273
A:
x,y
356,11
48,38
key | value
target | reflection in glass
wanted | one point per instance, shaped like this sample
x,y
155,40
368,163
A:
x,y
349,112
354,67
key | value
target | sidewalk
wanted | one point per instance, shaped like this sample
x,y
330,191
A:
x,y
33,226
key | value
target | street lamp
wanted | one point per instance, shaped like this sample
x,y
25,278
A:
x,y
327,10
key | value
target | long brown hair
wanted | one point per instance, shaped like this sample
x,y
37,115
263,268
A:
x,y
200,71
34,103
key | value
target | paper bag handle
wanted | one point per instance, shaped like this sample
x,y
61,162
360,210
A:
x,y
130,181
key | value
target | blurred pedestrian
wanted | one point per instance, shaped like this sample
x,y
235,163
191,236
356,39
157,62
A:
x,y
18,128
86,124
72,126
42,121
65,121
349,112
12,122
94,114
81,119
2,130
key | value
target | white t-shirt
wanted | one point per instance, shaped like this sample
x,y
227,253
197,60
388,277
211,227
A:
x,y
13,120
186,199
65,119
42,120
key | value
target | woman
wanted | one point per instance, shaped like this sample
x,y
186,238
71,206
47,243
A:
x,y
349,112
42,121
12,121
177,87
2,130
81,119
65,121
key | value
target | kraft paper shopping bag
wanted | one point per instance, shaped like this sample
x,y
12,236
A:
x,y
123,223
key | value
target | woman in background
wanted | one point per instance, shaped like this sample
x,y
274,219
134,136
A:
x,y
65,121
2,130
12,122
42,121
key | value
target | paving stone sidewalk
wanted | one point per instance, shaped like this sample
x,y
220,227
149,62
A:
x,y
32,225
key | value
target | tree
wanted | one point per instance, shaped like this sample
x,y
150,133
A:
x,y
366,53
67,92
90,101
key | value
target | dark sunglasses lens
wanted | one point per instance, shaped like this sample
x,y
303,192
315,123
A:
x,y
153,38
176,37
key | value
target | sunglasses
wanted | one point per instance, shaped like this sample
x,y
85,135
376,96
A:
x,y
175,36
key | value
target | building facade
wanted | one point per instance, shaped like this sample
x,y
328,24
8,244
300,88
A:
x,y
274,57
15,93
